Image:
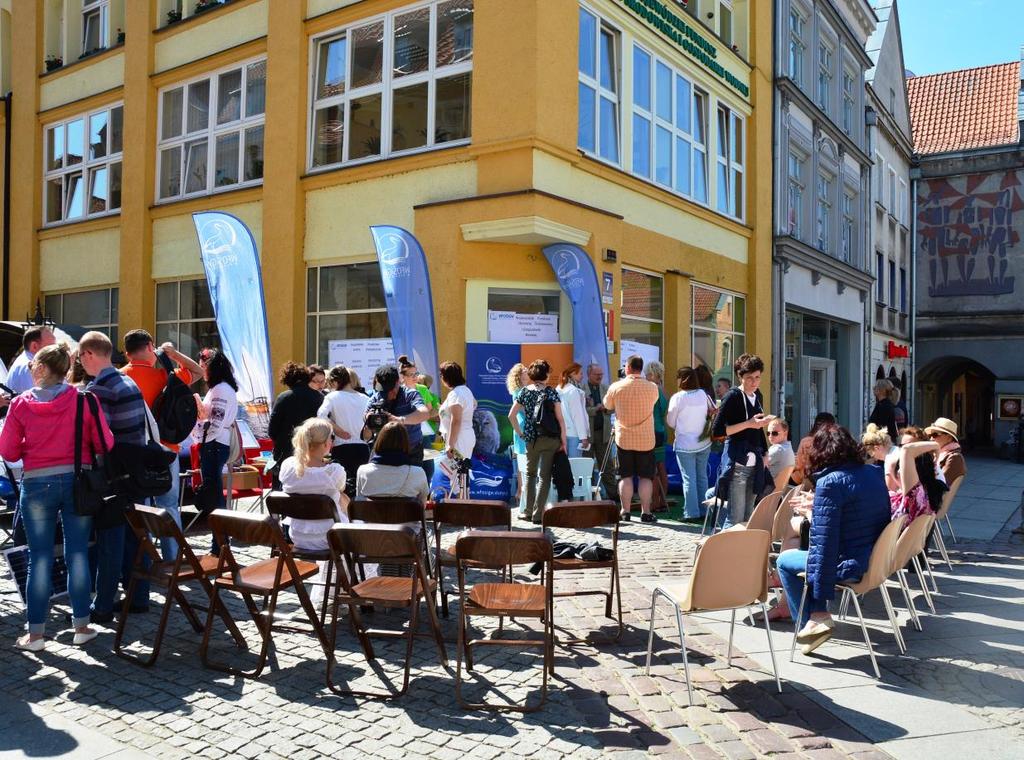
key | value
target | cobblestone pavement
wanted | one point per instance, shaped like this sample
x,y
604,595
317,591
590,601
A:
x,y
600,701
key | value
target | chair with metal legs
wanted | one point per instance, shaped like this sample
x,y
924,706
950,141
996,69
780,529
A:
x,y
909,545
731,573
879,570
942,515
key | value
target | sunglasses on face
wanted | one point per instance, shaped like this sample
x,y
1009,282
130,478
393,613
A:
x,y
773,433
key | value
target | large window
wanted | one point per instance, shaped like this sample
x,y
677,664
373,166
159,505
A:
x,y
730,162
796,194
395,85
823,213
598,130
669,127
717,328
849,102
83,166
880,278
846,247
796,47
824,76
184,316
91,309
344,302
642,308
901,203
95,25
211,132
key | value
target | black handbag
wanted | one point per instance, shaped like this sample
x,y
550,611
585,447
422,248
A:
x,y
142,471
544,417
92,487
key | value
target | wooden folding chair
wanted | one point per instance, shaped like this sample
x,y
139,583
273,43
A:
x,y
394,512
307,506
584,516
149,524
265,578
499,549
464,513
354,544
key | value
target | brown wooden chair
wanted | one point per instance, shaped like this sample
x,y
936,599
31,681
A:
x,y
500,549
307,506
387,511
354,544
149,524
583,515
464,513
266,578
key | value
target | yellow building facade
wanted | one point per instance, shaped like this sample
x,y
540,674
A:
x,y
637,129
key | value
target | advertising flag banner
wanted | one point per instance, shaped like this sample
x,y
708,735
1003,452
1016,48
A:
x,y
403,270
233,276
578,280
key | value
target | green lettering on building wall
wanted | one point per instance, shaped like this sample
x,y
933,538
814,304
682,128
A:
x,y
659,17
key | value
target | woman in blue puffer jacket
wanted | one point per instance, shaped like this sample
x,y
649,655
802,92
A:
x,y
850,510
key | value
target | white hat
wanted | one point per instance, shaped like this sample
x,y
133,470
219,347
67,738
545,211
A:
x,y
943,425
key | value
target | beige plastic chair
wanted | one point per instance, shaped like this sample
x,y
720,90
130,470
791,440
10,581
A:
x,y
729,574
909,545
943,515
879,570
763,516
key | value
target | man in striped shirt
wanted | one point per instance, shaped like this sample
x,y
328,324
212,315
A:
x,y
125,410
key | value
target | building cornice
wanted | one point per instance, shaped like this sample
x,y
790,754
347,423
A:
x,y
853,44
789,88
789,249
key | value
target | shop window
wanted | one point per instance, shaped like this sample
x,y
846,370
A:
x,y
716,329
91,309
396,85
669,127
598,90
211,132
343,302
730,162
642,309
184,316
82,166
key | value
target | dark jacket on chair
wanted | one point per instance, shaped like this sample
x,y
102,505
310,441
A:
x,y
851,509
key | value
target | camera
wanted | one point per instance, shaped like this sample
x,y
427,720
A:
x,y
376,417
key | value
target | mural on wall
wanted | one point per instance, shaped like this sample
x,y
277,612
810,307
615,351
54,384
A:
x,y
969,231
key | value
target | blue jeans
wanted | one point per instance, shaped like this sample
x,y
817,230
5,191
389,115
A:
x,y
42,499
212,458
110,557
572,446
169,501
693,466
741,495
790,564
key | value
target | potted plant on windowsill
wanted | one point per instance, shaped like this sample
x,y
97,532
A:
x,y
120,36
54,62
206,5
173,16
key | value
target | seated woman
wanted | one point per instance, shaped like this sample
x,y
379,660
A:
x,y
914,489
390,472
877,444
307,472
849,512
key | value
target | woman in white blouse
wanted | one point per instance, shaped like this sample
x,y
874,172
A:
x,y
456,412
309,472
574,410
215,425
345,408
688,413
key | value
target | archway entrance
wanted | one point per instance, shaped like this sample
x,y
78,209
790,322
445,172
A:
x,y
962,390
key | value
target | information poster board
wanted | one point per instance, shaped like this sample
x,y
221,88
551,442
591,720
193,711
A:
x,y
513,327
364,355
646,350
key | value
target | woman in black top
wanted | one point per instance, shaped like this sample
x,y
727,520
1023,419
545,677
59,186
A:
x,y
291,409
884,413
742,419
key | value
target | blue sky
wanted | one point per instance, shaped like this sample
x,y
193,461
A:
x,y
942,35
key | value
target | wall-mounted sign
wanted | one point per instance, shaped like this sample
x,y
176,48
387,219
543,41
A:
x,y
896,351
661,17
607,297
512,327
362,355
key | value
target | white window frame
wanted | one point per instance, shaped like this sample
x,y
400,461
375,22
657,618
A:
x,y
823,84
100,9
796,186
316,312
240,127
698,150
797,46
624,317
386,88
726,5
892,191
601,26
823,211
86,167
849,102
901,204
880,179
733,164
848,226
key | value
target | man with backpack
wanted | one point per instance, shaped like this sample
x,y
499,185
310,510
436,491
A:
x,y
125,410
165,388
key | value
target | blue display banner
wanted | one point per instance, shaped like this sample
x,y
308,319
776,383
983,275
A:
x,y
578,279
233,276
487,366
403,270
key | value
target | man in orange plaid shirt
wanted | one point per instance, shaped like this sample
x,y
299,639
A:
x,y
633,399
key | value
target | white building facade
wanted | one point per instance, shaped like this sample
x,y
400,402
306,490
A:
x,y
822,274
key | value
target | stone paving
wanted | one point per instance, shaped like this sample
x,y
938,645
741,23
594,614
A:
x,y
963,675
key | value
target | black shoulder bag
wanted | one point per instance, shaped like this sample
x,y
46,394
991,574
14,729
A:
x,y
544,417
92,488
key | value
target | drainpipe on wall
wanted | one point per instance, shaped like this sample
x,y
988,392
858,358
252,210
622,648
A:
x,y
912,380
870,123
5,273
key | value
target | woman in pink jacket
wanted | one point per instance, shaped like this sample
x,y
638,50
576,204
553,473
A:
x,y
40,431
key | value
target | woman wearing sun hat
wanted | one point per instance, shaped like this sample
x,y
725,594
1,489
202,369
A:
x,y
951,459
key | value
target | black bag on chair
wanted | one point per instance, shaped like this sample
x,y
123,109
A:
x,y
92,487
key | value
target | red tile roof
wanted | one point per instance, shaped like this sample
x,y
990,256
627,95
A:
x,y
965,109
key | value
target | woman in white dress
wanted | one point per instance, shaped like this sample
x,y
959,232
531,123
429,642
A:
x,y
574,410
